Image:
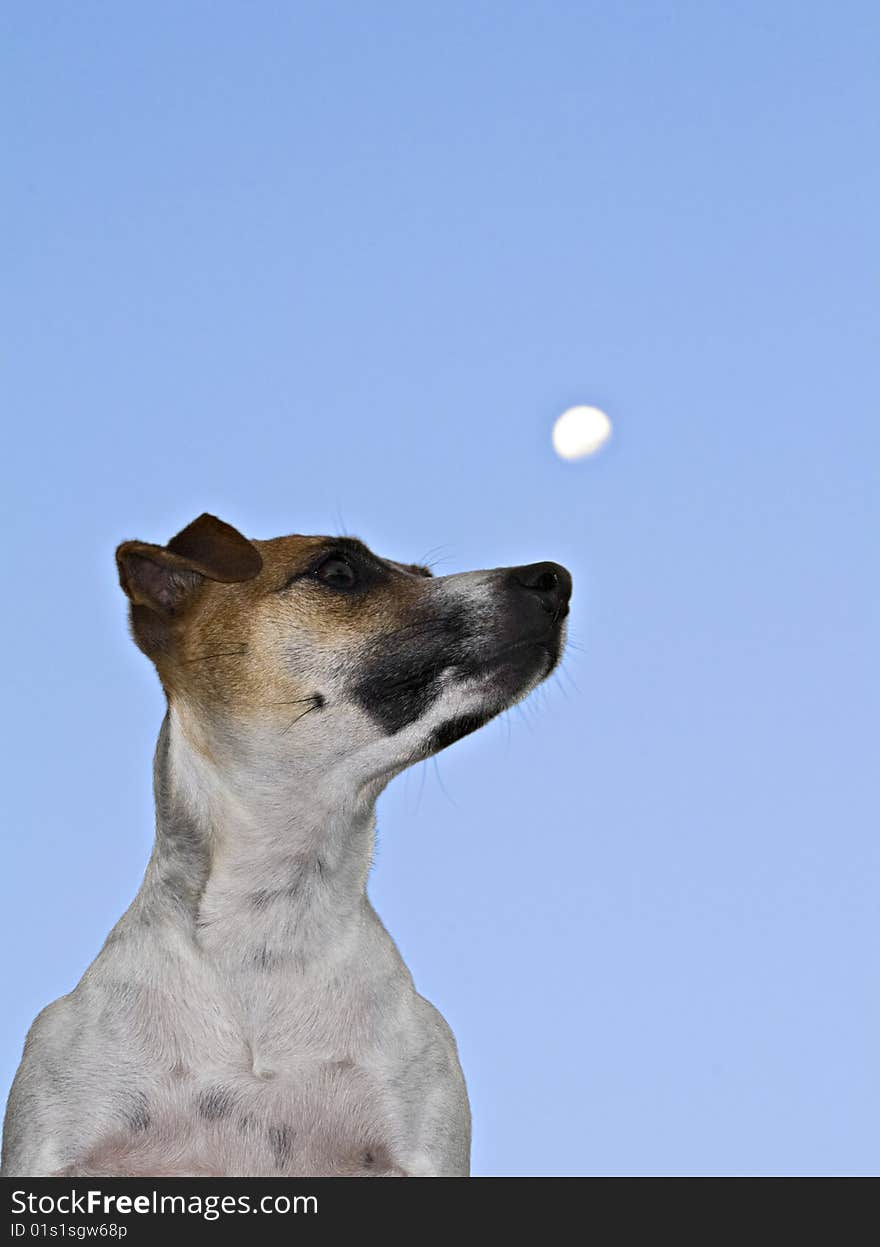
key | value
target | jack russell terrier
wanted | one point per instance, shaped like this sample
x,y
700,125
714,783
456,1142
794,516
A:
x,y
249,1015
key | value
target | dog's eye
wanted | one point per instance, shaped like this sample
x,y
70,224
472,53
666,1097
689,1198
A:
x,y
336,572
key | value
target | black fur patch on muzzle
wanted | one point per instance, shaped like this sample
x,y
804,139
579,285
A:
x,y
453,729
400,677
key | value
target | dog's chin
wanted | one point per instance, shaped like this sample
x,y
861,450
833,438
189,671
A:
x,y
516,669
506,678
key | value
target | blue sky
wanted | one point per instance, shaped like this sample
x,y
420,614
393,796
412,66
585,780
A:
x,y
328,266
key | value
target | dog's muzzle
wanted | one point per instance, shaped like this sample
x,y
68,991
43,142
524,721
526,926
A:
x,y
532,606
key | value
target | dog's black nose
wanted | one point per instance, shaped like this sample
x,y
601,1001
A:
x,y
550,582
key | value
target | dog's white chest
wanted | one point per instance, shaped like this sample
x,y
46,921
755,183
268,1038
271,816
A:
x,y
318,1118
224,1071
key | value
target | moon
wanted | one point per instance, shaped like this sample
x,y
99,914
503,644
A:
x,y
580,431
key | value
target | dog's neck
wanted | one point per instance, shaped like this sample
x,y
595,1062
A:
x,y
257,854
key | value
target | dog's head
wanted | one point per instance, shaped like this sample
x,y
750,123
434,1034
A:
x,y
322,648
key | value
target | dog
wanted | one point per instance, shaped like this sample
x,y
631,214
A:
x,y
249,1015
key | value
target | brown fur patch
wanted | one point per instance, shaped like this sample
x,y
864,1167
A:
x,y
250,645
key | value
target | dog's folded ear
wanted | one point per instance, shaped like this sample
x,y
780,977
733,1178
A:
x,y
165,578
217,550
